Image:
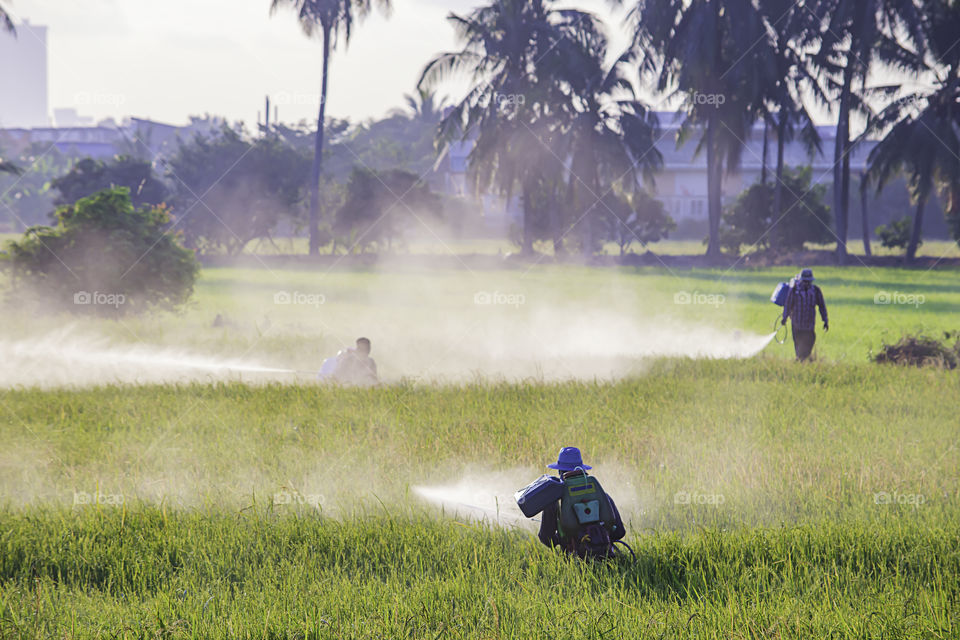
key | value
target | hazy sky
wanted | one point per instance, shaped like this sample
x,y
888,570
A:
x,y
173,58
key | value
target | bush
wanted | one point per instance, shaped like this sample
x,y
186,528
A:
x,y
803,216
920,351
636,217
380,205
105,257
896,235
88,176
230,189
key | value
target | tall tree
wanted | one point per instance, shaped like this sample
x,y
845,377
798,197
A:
x,y
715,55
610,138
923,130
792,29
6,23
330,20
513,51
857,35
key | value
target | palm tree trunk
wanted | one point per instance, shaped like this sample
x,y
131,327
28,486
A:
x,y
841,163
863,215
917,229
714,188
526,241
763,162
778,184
318,151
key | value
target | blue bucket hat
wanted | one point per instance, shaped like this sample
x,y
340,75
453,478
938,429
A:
x,y
807,275
568,460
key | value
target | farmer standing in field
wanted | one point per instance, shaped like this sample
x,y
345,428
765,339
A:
x,y
801,308
585,521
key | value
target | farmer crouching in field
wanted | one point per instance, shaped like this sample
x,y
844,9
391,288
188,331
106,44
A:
x,y
585,521
801,308
352,366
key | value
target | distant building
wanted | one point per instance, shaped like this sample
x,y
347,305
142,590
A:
x,y
23,77
682,182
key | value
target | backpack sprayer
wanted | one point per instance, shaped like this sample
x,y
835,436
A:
x,y
779,298
583,507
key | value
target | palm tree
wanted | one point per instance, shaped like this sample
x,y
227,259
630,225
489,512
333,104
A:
x,y
424,106
513,51
792,31
924,139
611,135
331,20
6,23
855,36
716,56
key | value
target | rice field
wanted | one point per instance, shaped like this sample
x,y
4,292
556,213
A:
x,y
763,499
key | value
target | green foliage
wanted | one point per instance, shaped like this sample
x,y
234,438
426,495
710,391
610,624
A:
x,y
105,257
635,217
379,206
229,190
27,199
803,216
200,546
896,235
88,176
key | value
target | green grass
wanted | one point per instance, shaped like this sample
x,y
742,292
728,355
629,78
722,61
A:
x,y
416,315
802,544
833,488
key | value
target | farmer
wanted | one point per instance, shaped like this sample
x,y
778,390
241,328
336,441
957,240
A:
x,y
355,366
801,308
585,520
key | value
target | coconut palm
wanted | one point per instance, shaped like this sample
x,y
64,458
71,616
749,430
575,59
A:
x,y
611,136
856,36
514,52
924,139
6,23
715,55
792,80
424,106
331,20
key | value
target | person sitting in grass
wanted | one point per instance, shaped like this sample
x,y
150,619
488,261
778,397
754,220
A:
x,y
356,367
801,308
585,521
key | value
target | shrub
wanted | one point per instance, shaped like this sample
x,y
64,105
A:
x,y
636,217
88,176
896,235
803,216
105,257
230,189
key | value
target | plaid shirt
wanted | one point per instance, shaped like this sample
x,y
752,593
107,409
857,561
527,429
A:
x,y
801,307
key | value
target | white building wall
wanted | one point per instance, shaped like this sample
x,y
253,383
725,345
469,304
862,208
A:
x,y
23,78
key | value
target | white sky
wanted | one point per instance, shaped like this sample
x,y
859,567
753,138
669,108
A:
x,y
169,59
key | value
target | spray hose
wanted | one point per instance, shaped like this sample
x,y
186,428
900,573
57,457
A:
x,y
779,330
